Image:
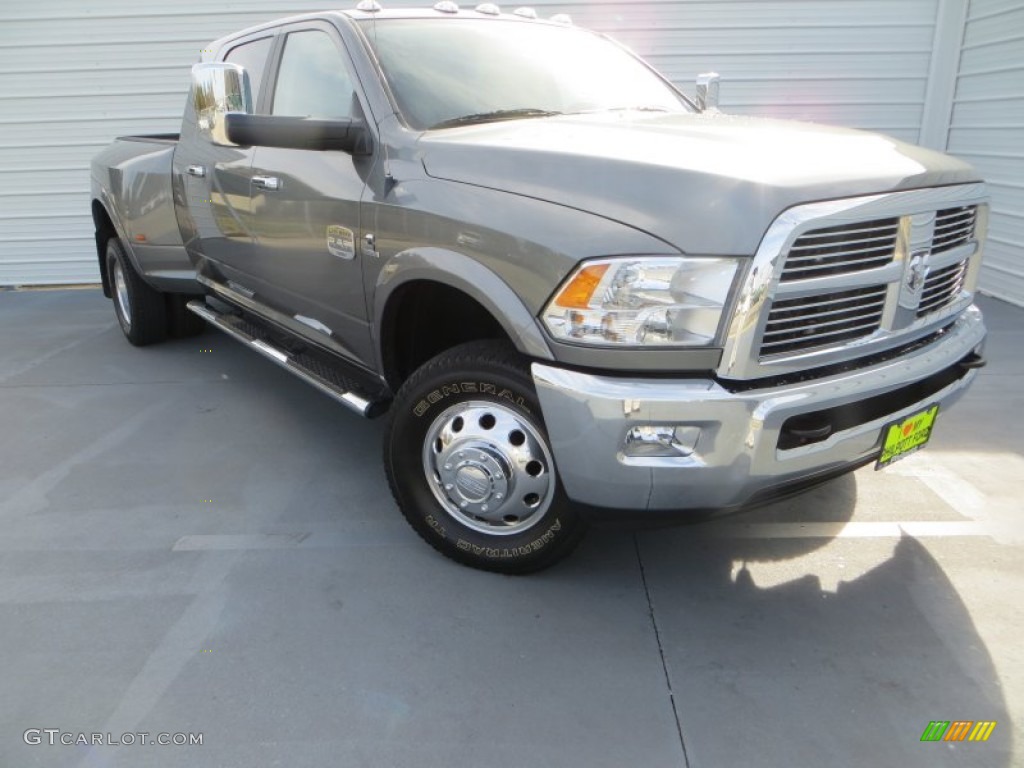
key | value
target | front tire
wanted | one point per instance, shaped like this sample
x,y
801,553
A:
x,y
141,309
470,465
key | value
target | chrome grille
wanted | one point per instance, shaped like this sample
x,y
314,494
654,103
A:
x,y
833,281
953,227
941,287
798,325
841,249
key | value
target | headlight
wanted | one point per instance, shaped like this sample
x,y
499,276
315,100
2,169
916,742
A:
x,y
638,301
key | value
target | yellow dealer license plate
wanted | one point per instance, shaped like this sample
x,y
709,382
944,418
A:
x,y
904,437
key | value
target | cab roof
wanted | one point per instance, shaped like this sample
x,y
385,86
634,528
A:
x,y
363,12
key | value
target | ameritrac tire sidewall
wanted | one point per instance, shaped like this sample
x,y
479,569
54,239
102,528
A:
x,y
529,550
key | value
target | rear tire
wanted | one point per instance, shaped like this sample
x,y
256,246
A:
x,y
470,465
141,309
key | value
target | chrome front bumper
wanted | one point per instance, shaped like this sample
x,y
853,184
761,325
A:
x,y
737,454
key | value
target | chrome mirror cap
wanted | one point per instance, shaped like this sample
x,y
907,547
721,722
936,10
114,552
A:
x,y
217,89
707,91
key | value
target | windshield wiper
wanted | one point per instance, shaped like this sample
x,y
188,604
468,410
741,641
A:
x,y
496,115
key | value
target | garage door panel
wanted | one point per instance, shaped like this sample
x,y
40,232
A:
x,y
95,82
57,225
88,132
630,14
111,104
993,28
991,86
40,183
1004,141
829,68
822,92
1008,111
1003,273
1002,55
75,10
18,206
73,160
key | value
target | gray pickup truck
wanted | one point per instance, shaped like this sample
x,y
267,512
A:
x,y
572,288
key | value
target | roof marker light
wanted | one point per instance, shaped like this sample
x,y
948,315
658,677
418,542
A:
x,y
369,6
489,8
446,6
562,18
526,13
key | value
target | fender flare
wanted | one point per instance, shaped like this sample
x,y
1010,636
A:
x,y
465,274
106,204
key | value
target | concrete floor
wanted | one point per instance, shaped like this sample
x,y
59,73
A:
x,y
194,541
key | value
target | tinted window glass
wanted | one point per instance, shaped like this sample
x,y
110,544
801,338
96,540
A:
x,y
441,69
253,59
312,80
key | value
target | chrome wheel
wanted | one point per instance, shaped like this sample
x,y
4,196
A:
x,y
124,302
489,467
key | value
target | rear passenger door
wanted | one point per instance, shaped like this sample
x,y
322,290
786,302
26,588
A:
x,y
307,259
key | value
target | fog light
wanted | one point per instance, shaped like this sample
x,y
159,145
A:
x,y
662,440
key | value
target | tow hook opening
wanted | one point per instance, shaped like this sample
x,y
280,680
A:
x,y
816,426
973,361
809,428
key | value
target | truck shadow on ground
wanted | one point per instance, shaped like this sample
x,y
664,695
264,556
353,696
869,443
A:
x,y
816,651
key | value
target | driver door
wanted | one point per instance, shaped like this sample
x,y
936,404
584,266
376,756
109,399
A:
x,y
306,203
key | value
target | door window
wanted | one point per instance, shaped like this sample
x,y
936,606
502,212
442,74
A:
x,y
252,57
312,80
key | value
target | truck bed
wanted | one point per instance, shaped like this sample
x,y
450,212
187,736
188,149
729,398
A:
x,y
133,178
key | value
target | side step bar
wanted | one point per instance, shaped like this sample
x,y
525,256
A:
x,y
328,380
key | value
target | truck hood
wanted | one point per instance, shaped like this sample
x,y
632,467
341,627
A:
x,y
705,183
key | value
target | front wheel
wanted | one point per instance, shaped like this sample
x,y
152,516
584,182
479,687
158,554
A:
x,y
469,462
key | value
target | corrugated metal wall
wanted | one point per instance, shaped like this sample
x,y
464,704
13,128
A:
x,y
987,129
74,75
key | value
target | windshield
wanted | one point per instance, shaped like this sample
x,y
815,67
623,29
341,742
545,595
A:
x,y
446,72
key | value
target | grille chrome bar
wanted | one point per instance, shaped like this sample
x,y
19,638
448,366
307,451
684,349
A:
x,y
794,273
941,288
797,324
845,334
774,323
802,244
841,249
953,227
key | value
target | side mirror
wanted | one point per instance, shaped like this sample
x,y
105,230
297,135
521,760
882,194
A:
x,y
347,135
707,91
219,88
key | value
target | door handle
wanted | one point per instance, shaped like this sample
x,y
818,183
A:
x,y
266,182
196,170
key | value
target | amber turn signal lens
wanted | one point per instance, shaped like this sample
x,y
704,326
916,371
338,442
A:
x,y
577,294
